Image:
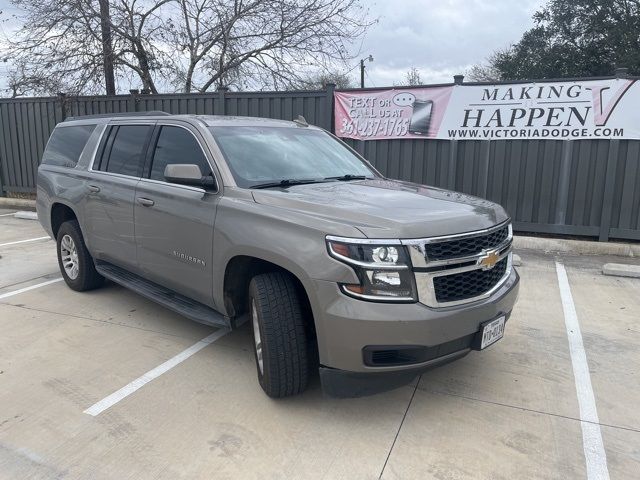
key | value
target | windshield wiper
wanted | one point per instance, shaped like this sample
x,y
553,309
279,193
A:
x,y
287,182
347,177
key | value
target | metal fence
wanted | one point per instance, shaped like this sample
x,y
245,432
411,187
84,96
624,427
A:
x,y
580,187
26,123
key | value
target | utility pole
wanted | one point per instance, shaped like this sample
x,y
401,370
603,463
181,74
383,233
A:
x,y
362,67
107,48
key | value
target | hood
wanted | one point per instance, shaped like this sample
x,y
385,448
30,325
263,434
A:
x,y
388,208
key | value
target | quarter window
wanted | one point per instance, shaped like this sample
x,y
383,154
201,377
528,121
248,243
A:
x,y
66,145
177,145
124,150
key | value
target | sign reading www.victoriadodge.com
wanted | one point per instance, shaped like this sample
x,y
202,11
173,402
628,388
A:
x,y
555,110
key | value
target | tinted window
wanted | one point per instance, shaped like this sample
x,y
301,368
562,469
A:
x,y
66,145
125,150
177,145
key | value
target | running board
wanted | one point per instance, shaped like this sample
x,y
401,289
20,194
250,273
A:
x,y
191,309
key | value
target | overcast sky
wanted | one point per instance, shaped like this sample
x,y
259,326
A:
x,y
439,37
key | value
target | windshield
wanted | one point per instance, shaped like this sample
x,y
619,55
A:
x,y
258,155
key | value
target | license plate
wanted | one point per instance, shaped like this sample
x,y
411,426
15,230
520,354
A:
x,y
492,332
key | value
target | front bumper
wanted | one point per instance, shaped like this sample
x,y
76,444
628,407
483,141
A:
x,y
344,384
346,326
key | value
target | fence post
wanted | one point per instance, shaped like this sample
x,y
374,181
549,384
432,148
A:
x,y
133,101
609,190
222,98
622,73
330,88
62,99
563,186
453,165
483,177
2,192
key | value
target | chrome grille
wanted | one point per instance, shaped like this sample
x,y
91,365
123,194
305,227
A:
x,y
464,268
467,246
461,286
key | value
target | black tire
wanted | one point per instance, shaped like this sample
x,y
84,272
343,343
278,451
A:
x,y
282,333
87,278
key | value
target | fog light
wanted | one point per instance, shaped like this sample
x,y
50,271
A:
x,y
386,278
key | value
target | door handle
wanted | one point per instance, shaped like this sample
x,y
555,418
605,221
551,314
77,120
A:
x,y
93,188
145,201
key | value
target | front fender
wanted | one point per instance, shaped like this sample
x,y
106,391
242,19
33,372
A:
x,y
290,239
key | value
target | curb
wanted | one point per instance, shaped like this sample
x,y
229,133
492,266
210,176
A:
x,y
579,247
18,203
621,270
26,215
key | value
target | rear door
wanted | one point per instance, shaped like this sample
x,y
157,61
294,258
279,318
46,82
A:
x,y
174,223
108,206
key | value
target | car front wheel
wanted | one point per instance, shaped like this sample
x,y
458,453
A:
x,y
280,344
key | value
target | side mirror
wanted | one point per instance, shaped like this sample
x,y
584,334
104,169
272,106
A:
x,y
188,174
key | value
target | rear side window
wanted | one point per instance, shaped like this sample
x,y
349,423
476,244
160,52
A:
x,y
177,145
124,150
66,145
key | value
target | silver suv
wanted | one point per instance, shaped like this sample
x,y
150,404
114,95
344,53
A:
x,y
228,219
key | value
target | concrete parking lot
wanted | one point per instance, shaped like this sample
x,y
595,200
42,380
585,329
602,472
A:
x,y
511,412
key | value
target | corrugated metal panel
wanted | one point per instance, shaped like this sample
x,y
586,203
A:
x,y
283,106
25,126
625,215
522,176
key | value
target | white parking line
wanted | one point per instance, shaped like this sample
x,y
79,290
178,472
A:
x,y
24,241
32,287
7,214
595,456
115,397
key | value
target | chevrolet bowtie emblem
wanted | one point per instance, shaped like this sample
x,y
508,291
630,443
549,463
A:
x,y
489,260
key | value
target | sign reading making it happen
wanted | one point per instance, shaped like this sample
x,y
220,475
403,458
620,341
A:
x,y
594,109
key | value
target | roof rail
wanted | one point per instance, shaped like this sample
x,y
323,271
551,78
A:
x,y
152,113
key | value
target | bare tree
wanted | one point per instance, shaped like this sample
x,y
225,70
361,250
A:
x,y
486,72
260,43
107,48
319,80
57,46
412,77
187,45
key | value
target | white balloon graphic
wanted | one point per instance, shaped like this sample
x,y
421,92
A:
x,y
404,99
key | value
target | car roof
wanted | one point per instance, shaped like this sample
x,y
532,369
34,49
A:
x,y
208,120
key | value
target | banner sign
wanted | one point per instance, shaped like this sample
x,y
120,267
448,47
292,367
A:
x,y
596,109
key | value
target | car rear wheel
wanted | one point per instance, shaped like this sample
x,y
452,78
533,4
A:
x,y
75,261
280,343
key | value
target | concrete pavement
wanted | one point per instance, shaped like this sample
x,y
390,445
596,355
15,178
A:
x,y
508,412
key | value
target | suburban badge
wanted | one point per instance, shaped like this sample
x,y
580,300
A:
x,y
188,258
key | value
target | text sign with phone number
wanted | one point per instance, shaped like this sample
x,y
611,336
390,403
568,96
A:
x,y
384,114
368,127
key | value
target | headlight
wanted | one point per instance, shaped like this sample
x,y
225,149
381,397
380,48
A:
x,y
383,268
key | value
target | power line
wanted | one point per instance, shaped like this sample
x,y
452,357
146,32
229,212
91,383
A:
x,y
369,77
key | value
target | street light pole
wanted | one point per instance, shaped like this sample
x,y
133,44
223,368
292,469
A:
x,y
362,67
